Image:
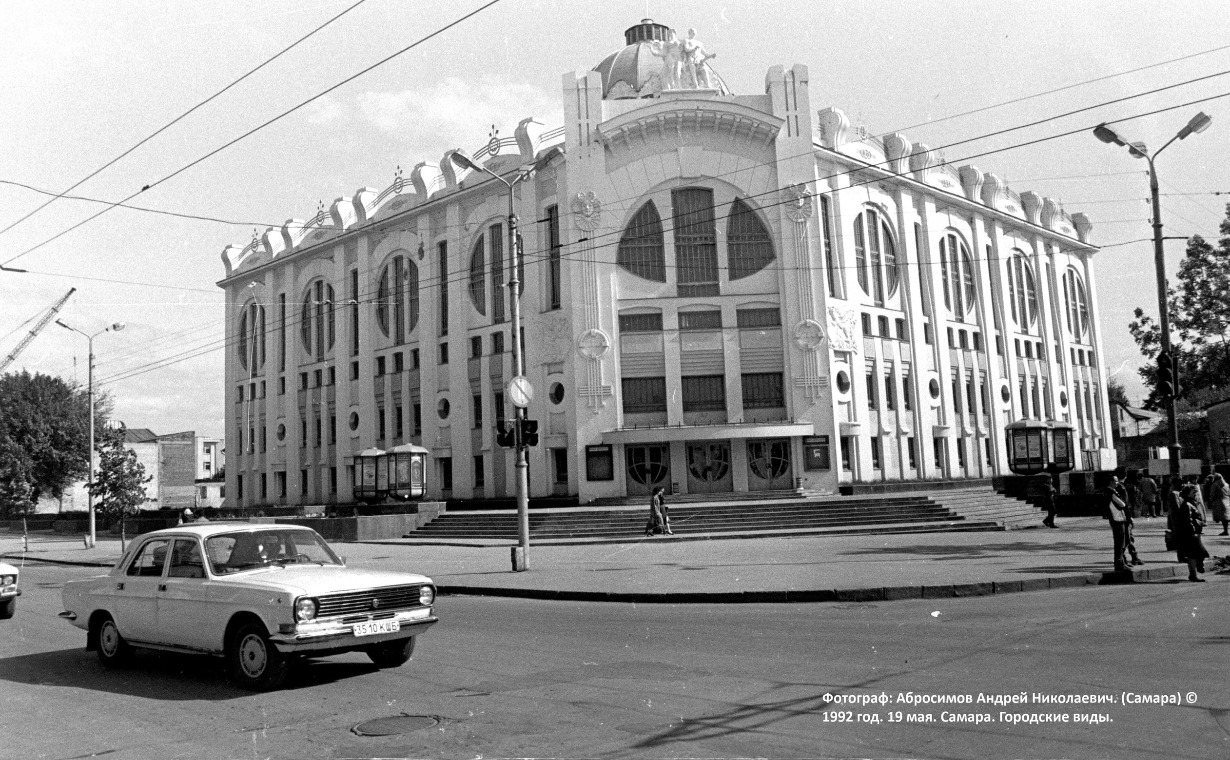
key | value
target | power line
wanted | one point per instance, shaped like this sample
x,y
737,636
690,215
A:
x,y
176,120
131,207
258,128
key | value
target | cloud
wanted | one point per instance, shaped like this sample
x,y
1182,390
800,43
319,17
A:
x,y
456,112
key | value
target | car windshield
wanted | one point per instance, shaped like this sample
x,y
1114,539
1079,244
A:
x,y
245,550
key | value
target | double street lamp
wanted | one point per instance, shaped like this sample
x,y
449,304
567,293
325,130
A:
x,y
1165,359
520,390
116,327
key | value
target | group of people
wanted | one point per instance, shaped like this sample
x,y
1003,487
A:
x,y
659,516
1185,514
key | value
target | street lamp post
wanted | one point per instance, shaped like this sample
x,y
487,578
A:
x,y
520,557
1198,124
117,326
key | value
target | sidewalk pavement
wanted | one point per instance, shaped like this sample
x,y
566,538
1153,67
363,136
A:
x,y
809,568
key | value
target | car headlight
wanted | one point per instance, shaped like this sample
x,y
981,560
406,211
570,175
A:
x,y
305,609
8,580
427,595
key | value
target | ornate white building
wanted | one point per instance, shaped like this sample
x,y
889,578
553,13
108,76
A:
x,y
720,293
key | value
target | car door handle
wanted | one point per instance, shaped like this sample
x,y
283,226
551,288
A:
x,y
162,587
119,587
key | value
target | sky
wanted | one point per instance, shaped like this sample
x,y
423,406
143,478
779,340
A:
x,y
83,81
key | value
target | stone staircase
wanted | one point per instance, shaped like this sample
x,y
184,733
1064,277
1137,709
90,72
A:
x,y
696,515
983,503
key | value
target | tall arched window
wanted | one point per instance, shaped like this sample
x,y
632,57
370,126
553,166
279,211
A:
x,y
696,260
749,248
251,343
397,298
875,256
642,249
1022,290
478,276
957,270
316,320
1077,303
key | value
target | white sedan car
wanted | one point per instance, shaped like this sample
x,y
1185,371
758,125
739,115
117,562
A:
x,y
257,595
8,590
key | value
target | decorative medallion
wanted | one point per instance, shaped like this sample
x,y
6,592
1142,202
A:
x,y
398,181
843,329
798,202
493,145
587,210
808,334
593,344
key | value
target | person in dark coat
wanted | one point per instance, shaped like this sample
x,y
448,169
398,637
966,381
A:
x,y
1186,525
1046,498
656,523
1115,511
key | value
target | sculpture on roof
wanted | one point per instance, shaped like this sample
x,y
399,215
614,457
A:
x,y
695,68
671,53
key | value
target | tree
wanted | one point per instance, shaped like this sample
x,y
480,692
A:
x,y
119,488
1199,324
44,436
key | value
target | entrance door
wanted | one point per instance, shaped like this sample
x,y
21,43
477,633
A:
x,y
709,467
648,468
768,465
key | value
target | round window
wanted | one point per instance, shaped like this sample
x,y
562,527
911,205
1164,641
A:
x,y
843,382
354,420
557,393
442,409
1063,398
934,388
281,432
1006,394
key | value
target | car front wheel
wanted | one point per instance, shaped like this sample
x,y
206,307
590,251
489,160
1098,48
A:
x,y
392,654
8,609
255,663
113,650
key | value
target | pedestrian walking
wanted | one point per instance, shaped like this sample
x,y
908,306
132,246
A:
x,y
656,524
665,511
1047,497
1149,496
1186,525
1115,511
1219,503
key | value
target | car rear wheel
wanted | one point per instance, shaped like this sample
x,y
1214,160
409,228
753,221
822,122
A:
x,y
392,654
255,663
113,650
8,609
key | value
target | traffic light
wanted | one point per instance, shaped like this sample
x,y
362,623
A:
x,y
1165,385
506,438
529,432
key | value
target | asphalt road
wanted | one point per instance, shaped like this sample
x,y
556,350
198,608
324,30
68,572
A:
x,y
507,678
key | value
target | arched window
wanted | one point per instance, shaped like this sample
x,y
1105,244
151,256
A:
x,y
875,256
696,260
1077,303
749,248
397,298
642,248
252,337
478,276
316,320
957,271
1022,290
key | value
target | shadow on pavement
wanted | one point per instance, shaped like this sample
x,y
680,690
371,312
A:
x,y
160,675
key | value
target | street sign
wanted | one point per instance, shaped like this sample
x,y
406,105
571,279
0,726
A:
x,y
520,392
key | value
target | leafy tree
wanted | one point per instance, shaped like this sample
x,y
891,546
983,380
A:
x,y
1115,393
1199,325
119,488
44,436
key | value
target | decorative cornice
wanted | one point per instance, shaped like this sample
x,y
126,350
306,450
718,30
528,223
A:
x,y
679,116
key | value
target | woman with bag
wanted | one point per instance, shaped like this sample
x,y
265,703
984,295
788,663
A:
x,y
1115,512
656,521
1186,526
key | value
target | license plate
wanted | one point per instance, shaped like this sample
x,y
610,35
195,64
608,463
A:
x,y
376,626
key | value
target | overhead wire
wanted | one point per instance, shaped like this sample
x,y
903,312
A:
x,y
131,207
175,121
256,129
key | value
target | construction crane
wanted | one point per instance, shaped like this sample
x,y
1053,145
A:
x,y
34,331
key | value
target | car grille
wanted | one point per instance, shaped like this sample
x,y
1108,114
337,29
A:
x,y
369,601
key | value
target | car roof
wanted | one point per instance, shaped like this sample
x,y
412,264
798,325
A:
x,y
205,530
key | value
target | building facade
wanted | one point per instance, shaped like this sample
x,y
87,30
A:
x,y
719,293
